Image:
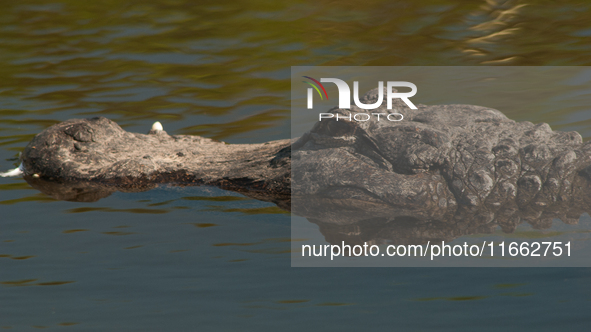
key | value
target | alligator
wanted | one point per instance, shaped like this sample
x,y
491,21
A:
x,y
451,164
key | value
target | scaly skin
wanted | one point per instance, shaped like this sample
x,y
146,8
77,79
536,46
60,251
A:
x,y
98,152
453,169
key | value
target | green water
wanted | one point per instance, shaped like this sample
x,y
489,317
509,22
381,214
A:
x,y
202,259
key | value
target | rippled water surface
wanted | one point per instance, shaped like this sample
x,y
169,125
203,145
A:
x,y
186,259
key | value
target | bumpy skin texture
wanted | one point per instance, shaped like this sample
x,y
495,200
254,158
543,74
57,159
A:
x,y
97,150
449,163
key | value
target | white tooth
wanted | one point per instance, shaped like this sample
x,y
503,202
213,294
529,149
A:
x,y
19,171
157,126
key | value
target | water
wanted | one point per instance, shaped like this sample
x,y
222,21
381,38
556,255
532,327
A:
x,y
200,258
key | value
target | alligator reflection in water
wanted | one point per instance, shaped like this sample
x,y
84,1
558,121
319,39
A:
x,y
92,191
443,172
357,222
